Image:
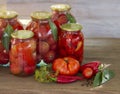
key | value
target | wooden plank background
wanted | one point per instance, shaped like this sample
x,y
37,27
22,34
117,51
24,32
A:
x,y
100,18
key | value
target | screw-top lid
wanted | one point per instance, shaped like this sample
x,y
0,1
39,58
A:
x,y
71,27
22,34
41,15
61,7
8,14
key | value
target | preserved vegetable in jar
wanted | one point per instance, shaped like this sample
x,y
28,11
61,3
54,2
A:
x,y
46,43
61,14
4,55
7,17
71,41
22,53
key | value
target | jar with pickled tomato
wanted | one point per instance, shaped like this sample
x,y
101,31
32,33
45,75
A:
x,y
7,17
46,43
71,41
61,14
22,53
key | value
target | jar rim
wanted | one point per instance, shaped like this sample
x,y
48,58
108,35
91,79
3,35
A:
x,y
22,34
41,15
71,27
8,14
60,7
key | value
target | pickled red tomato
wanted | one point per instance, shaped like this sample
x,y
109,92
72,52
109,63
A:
x,y
3,55
29,69
13,22
49,56
62,19
50,40
15,68
40,30
2,27
71,45
16,25
4,58
43,47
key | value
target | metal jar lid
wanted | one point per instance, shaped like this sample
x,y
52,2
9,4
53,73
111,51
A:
x,y
41,15
22,34
8,14
61,7
71,27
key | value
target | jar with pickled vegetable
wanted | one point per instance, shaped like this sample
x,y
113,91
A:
x,y
61,14
10,17
23,53
42,26
7,18
71,41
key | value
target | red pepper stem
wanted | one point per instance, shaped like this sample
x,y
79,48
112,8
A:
x,y
101,67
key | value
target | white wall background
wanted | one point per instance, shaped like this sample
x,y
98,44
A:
x,y
100,18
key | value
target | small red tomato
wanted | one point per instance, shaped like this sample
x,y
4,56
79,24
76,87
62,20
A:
x,y
15,68
62,19
29,70
50,56
87,72
43,47
66,66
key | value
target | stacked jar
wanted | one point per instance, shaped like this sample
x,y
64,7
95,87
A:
x,y
70,36
23,53
46,44
7,17
71,41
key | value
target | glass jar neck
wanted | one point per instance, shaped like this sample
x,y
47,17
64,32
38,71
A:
x,y
71,32
9,19
40,21
61,12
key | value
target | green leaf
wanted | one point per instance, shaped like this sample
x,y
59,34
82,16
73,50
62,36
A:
x,y
97,79
36,74
107,75
5,41
7,36
71,18
54,30
9,29
102,77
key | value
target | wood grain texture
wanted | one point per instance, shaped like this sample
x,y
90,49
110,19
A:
x,y
107,50
100,18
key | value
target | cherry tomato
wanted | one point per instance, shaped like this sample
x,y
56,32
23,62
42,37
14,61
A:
x,y
62,19
66,66
87,72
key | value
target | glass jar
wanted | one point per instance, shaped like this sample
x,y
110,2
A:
x,y
7,17
10,17
61,14
71,41
46,44
22,53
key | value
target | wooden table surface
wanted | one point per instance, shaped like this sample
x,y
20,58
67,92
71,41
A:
x,y
106,50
